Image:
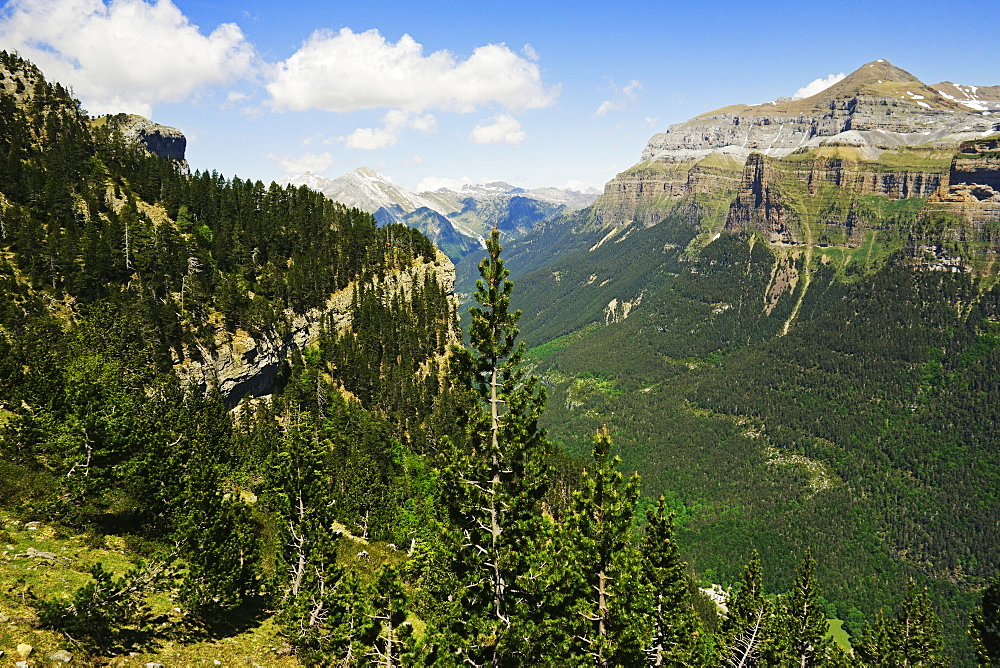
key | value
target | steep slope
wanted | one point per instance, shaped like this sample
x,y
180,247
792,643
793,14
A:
x,y
877,108
797,345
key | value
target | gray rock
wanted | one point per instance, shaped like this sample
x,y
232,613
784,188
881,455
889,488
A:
x,y
59,656
166,142
244,365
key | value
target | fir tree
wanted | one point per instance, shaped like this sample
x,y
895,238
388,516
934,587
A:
x,y
677,639
984,629
493,479
601,529
803,633
913,637
747,627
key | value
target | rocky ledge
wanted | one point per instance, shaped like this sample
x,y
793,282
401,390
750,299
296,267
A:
x,y
166,142
242,365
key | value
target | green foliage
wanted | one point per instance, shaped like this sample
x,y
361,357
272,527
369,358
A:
x,y
110,613
911,638
492,480
611,629
677,636
747,631
984,629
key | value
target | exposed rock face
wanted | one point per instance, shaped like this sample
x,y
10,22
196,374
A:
x,y
758,206
242,365
977,163
973,192
878,105
647,191
877,108
166,142
762,203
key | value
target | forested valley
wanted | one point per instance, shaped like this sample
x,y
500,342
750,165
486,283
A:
x,y
388,497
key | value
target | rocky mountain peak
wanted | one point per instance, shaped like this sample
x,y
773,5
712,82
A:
x,y
878,105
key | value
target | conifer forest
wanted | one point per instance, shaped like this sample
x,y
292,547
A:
x,y
388,490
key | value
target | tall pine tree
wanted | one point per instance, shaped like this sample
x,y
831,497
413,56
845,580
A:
x,y
677,636
493,479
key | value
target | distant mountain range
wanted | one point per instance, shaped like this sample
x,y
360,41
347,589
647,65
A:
x,y
457,221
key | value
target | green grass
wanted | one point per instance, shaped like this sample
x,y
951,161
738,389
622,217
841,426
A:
x,y
253,639
838,633
541,352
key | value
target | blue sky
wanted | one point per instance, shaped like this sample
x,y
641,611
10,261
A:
x,y
437,93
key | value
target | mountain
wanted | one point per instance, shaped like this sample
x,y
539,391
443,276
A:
x,y
877,109
796,345
457,221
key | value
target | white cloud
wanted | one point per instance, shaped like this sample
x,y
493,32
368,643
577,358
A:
x,y
393,124
579,186
129,55
235,96
817,86
504,130
529,52
433,183
622,98
415,161
651,121
307,162
347,71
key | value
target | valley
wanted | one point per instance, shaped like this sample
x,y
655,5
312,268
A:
x,y
765,357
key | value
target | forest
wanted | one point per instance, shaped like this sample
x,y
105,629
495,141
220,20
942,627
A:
x,y
393,499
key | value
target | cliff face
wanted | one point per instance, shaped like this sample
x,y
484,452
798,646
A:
x,y
878,106
973,194
877,109
166,142
243,365
978,162
650,191
772,195
758,205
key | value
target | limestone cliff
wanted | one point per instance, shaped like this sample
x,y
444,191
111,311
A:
x,y
878,109
242,365
973,195
166,142
651,190
878,105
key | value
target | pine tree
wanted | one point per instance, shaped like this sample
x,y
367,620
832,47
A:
x,y
677,638
747,627
493,478
913,637
804,640
984,629
601,529
389,602
218,542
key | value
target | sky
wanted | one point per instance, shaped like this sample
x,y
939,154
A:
x,y
435,94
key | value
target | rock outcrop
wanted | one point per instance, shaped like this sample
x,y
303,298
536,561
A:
x,y
166,142
242,365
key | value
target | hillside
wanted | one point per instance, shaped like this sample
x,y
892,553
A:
x,y
796,347
236,426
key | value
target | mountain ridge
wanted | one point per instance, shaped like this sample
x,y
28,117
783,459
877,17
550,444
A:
x,y
458,221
